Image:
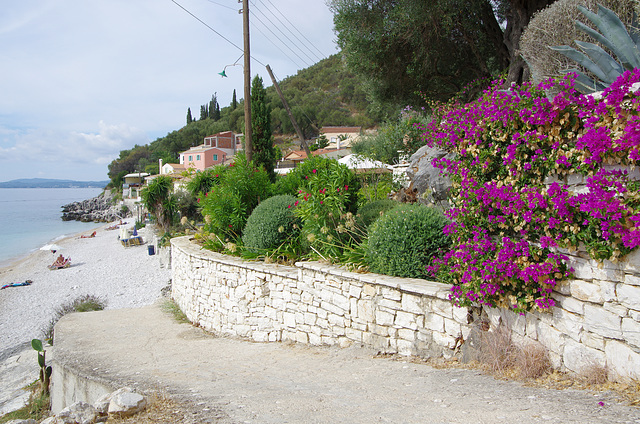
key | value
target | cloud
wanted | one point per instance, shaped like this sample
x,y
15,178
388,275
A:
x,y
43,147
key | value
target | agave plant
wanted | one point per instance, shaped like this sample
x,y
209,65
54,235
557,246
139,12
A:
x,y
614,36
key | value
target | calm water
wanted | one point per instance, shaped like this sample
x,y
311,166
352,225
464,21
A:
x,y
31,218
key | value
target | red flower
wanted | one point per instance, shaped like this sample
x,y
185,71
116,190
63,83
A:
x,y
230,226
198,200
346,188
314,171
321,202
289,206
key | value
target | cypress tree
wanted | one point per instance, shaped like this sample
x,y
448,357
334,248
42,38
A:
x,y
263,151
204,112
234,101
189,117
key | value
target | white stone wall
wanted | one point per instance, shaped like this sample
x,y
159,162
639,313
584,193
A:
x,y
596,320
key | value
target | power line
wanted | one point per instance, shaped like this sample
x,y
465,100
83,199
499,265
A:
x,y
223,5
278,27
283,52
317,58
293,26
279,39
220,35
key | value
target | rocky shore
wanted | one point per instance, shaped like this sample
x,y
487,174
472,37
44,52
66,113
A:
x,y
98,209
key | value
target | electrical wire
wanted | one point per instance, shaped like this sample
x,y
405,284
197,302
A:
x,y
279,39
322,55
278,27
316,58
220,35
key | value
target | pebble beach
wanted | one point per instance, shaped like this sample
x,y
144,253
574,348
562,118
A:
x,y
123,277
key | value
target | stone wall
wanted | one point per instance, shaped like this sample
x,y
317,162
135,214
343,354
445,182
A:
x,y
596,321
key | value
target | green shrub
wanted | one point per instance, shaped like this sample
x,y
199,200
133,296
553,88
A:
x,y
270,224
228,205
371,211
203,181
405,239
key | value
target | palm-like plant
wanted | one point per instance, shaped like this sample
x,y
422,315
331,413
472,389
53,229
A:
x,y
614,36
157,198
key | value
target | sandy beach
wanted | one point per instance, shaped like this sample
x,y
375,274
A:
x,y
124,277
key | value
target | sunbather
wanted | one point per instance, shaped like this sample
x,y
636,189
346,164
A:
x,y
90,236
59,261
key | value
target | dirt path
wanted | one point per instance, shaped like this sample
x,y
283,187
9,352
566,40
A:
x,y
235,381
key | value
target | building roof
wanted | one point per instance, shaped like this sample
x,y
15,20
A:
x,y
176,166
199,149
301,154
137,175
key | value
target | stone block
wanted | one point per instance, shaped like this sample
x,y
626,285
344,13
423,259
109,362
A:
x,y
563,287
412,303
513,321
444,340
391,293
592,340
602,322
532,326
365,310
341,301
628,296
442,307
406,348
384,318
434,322
588,292
551,338
330,307
622,361
461,315
289,319
407,334
369,290
616,308
568,323
406,320
631,262
578,357
379,330
353,334
452,328
390,304
355,291
260,336
634,314
315,339
632,280
589,270
336,320
631,332
570,304
608,289
302,337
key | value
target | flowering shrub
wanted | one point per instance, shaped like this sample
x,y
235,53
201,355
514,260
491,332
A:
x,y
325,203
512,208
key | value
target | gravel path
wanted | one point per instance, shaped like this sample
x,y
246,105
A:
x,y
100,266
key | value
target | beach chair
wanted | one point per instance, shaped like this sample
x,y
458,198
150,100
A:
x,y
59,265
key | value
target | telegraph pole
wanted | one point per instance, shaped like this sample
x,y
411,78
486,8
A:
x,y
248,142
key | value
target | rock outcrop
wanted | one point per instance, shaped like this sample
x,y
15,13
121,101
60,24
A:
x,y
427,184
97,209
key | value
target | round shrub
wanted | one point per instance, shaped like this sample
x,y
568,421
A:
x,y
403,241
371,211
270,224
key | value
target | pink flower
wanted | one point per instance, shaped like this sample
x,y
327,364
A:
x,y
289,206
230,225
295,204
321,202
346,188
198,200
314,171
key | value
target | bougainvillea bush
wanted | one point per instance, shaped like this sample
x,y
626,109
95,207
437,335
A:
x,y
513,211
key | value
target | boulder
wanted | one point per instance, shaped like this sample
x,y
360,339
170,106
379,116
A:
x,y
29,421
427,183
78,413
124,403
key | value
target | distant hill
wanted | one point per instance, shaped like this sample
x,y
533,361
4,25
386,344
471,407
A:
x,y
48,183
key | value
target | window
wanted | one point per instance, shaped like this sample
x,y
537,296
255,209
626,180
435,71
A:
x,y
215,157
197,157
190,158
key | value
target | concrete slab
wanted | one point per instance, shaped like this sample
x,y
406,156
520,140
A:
x,y
284,383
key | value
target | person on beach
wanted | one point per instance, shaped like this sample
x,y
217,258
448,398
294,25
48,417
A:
x,y
59,261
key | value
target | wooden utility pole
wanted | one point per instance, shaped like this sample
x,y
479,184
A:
x,y
248,142
293,120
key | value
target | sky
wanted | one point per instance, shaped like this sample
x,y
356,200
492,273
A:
x,y
82,80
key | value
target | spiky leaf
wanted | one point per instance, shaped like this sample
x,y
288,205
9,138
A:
x,y
610,68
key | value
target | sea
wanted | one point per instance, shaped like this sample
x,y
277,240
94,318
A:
x,y
32,217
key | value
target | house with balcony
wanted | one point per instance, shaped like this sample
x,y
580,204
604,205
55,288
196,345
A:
x,y
217,149
132,185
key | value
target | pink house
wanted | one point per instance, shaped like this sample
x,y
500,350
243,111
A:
x,y
218,148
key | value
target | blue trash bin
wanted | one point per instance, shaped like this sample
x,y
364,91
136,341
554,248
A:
x,y
152,249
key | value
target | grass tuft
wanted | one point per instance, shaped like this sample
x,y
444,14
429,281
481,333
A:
x,y
172,308
86,303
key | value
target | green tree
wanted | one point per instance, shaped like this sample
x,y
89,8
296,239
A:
x,y
263,152
234,101
214,108
204,112
157,198
406,49
189,117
